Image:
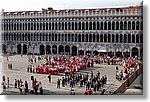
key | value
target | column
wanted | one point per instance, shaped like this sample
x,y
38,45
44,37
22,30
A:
x,y
84,51
131,25
70,50
127,25
51,49
119,23
115,25
107,25
77,50
57,49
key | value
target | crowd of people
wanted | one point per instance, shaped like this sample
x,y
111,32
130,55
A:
x,y
129,66
71,65
36,87
5,83
89,81
62,64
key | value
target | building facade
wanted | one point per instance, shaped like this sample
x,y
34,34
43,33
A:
x,y
111,31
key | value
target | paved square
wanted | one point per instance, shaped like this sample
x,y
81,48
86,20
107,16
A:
x,y
19,72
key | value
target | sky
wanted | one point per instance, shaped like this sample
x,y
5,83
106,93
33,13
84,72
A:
x,y
32,5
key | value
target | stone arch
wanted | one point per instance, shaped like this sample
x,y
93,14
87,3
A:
x,y
133,38
25,49
61,49
42,49
54,49
67,50
74,50
19,49
134,52
48,49
137,38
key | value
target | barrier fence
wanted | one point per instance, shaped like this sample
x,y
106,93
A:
x,y
128,81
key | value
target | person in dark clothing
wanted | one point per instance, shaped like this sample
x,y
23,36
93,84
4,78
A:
x,y
63,82
15,83
49,78
18,83
7,82
58,83
98,73
88,85
26,87
95,85
105,79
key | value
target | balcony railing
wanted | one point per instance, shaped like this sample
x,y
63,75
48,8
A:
x,y
38,15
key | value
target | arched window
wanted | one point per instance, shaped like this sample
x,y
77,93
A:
x,y
101,38
137,25
65,25
101,25
37,26
79,25
141,25
113,25
83,38
109,37
137,38
52,25
125,38
40,26
129,38
68,37
121,38
69,25
98,26
52,37
46,26
76,26
90,37
121,25
94,26
105,37
72,25
83,26
87,26
62,37
87,38
117,25
133,38
90,26
93,37
109,25
113,38
79,38
97,37
129,25
117,37
141,38
55,37
133,25
125,25
65,37
105,26
76,37
72,37
56,27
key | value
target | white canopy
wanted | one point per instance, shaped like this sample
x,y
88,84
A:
x,y
102,49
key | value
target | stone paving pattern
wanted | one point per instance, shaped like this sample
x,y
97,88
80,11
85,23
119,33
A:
x,y
19,72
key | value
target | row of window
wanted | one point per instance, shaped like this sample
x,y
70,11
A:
x,y
69,19
118,38
76,26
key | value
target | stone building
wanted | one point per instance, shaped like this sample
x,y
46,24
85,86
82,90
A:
x,y
111,31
